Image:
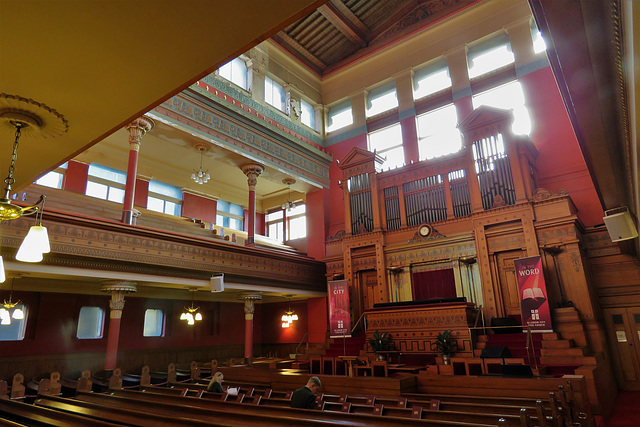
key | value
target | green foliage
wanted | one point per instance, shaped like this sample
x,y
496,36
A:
x,y
445,343
380,342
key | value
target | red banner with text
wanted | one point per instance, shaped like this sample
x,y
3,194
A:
x,y
534,305
339,314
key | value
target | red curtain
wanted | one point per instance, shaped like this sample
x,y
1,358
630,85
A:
x,y
433,284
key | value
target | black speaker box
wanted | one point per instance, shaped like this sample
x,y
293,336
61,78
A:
x,y
516,370
500,324
495,352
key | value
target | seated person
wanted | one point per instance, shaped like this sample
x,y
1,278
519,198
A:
x,y
215,385
305,397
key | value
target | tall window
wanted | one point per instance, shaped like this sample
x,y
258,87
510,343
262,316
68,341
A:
x,y
235,71
296,225
308,115
489,55
90,323
509,96
273,94
229,215
54,178
431,79
387,143
153,323
539,44
164,198
381,99
105,183
339,116
12,327
437,132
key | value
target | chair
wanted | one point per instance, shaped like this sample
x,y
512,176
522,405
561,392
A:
x,y
340,367
328,365
315,366
363,367
379,368
474,366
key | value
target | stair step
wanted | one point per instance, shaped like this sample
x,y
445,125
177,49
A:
x,y
568,360
550,336
574,351
557,344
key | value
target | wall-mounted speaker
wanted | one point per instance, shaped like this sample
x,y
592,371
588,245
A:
x,y
217,283
620,225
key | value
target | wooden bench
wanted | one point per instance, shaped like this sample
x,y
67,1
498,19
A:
x,y
18,414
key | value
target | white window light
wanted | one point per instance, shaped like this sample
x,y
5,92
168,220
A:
x,y
431,79
274,93
509,96
308,115
438,134
489,55
235,71
339,116
381,99
387,143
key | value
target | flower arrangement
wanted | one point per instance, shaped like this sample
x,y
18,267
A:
x,y
380,342
445,344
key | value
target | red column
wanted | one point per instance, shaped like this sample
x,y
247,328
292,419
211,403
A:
x,y
137,129
116,304
249,308
252,171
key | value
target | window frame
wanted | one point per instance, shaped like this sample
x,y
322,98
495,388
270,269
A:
x,y
99,327
389,148
268,81
245,72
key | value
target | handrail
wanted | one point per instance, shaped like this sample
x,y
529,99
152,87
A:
x,y
354,326
306,335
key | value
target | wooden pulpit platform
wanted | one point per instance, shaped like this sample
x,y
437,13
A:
x,y
413,326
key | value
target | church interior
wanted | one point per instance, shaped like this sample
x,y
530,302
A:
x,y
288,183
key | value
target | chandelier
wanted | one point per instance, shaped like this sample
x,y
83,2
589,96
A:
x,y
35,120
289,315
191,314
200,176
9,311
289,204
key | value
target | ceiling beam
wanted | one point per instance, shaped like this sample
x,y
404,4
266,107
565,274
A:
x,y
299,51
344,10
343,24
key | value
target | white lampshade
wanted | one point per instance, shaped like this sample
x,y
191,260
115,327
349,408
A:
x,y
294,317
34,245
285,324
5,318
183,316
193,176
198,316
18,314
3,277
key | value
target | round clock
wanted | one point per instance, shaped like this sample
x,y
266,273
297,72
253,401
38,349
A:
x,y
424,230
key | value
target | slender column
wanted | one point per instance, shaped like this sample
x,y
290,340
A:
x,y
252,171
118,290
249,307
137,129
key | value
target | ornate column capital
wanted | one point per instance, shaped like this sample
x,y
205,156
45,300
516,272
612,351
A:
x,y
137,129
249,302
252,171
118,289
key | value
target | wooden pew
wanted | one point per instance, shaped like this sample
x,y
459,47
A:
x,y
162,403
20,413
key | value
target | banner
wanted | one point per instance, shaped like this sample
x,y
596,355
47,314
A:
x,y
339,314
534,305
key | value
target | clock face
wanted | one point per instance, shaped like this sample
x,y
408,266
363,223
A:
x,y
424,230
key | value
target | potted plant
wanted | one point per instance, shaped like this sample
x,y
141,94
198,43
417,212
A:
x,y
380,342
446,345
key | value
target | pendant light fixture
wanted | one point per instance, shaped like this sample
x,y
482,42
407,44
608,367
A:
x,y
289,204
191,314
289,316
34,120
9,311
200,176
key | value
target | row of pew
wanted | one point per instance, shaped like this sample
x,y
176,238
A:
x,y
189,404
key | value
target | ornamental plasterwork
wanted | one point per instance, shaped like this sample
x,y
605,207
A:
x,y
541,194
434,235
444,252
224,129
246,100
112,245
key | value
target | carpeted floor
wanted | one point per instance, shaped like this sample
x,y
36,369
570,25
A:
x,y
626,411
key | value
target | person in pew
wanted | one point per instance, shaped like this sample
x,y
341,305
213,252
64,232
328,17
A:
x,y
215,385
305,397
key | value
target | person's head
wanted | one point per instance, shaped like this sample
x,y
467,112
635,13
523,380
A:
x,y
218,377
314,384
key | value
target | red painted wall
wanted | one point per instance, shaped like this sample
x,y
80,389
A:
x,y
141,195
317,222
312,318
197,207
75,177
